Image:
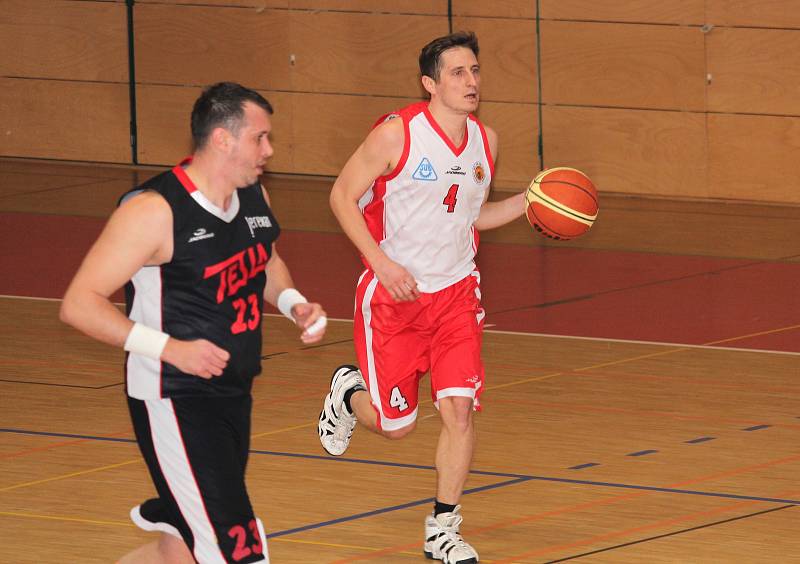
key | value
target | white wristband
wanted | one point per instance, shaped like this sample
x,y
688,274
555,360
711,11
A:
x,y
289,298
146,341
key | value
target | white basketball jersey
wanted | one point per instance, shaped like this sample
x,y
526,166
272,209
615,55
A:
x,y
422,213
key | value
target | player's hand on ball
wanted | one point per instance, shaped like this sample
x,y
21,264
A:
x,y
201,357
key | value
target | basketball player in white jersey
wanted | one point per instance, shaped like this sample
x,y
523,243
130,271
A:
x,y
412,198
195,247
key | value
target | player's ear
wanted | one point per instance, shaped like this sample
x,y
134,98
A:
x,y
429,84
220,139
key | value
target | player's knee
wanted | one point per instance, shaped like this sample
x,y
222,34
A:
x,y
456,413
396,434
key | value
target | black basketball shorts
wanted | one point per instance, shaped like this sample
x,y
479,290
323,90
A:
x,y
196,450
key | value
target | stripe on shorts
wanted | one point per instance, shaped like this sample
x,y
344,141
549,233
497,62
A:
x,y
177,470
374,390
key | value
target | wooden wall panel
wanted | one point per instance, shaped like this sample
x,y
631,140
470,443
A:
x,y
200,45
630,151
754,157
635,66
326,129
495,9
517,127
684,12
258,5
374,54
754,71
164,125
753,13
64,40
507,57
56,119
429,7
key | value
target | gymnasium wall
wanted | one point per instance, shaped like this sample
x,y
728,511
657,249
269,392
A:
x,y
687,98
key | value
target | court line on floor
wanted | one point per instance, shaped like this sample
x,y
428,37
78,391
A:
x,y
706,346
670,534
515,478
624,532
131,525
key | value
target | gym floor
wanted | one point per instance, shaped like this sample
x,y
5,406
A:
x,y
640,403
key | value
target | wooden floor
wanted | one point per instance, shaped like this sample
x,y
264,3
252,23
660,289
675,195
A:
x,y
593,448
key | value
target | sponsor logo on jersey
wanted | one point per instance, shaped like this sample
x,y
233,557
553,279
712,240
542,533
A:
x,y
425,171
257,221
478,173
455,169
235,271
199,235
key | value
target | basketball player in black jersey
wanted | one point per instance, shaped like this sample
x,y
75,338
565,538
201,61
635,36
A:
x,y
195,247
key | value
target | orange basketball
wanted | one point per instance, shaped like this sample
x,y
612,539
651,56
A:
x,y
561,203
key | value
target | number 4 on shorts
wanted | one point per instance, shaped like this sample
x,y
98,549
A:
x,y
397,400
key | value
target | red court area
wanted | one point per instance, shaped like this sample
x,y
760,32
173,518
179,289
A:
x,y
552,290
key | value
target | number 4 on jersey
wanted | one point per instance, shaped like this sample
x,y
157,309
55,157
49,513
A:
x,y
397,400
450,200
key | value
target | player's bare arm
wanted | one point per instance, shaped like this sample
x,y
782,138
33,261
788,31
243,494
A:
x,y
376,156
495,214
308,316
139,233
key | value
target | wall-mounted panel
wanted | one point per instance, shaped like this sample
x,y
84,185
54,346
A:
x,y
55,119
328,128
631,151
684,12
164,129
200,45
754,71
754,158
507,57
517,127
255,5
63,39
623,65
428,7
352,53
495,9
753,13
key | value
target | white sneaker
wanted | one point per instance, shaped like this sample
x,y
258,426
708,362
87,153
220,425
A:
x,y
443,541
152,516
336,424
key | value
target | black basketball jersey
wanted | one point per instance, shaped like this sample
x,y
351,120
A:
x,y
212,288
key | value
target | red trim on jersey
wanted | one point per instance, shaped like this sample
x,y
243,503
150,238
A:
x,y
486,148
456,150
161,362
183,178
401,162
374,212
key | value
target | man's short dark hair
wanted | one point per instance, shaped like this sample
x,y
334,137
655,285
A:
x,y
222,105
430,58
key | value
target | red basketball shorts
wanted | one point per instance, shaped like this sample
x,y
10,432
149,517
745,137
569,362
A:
x,y
398,342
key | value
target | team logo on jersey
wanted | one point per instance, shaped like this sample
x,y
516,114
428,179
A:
x,y
257,221
478,173
425,171
199,235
